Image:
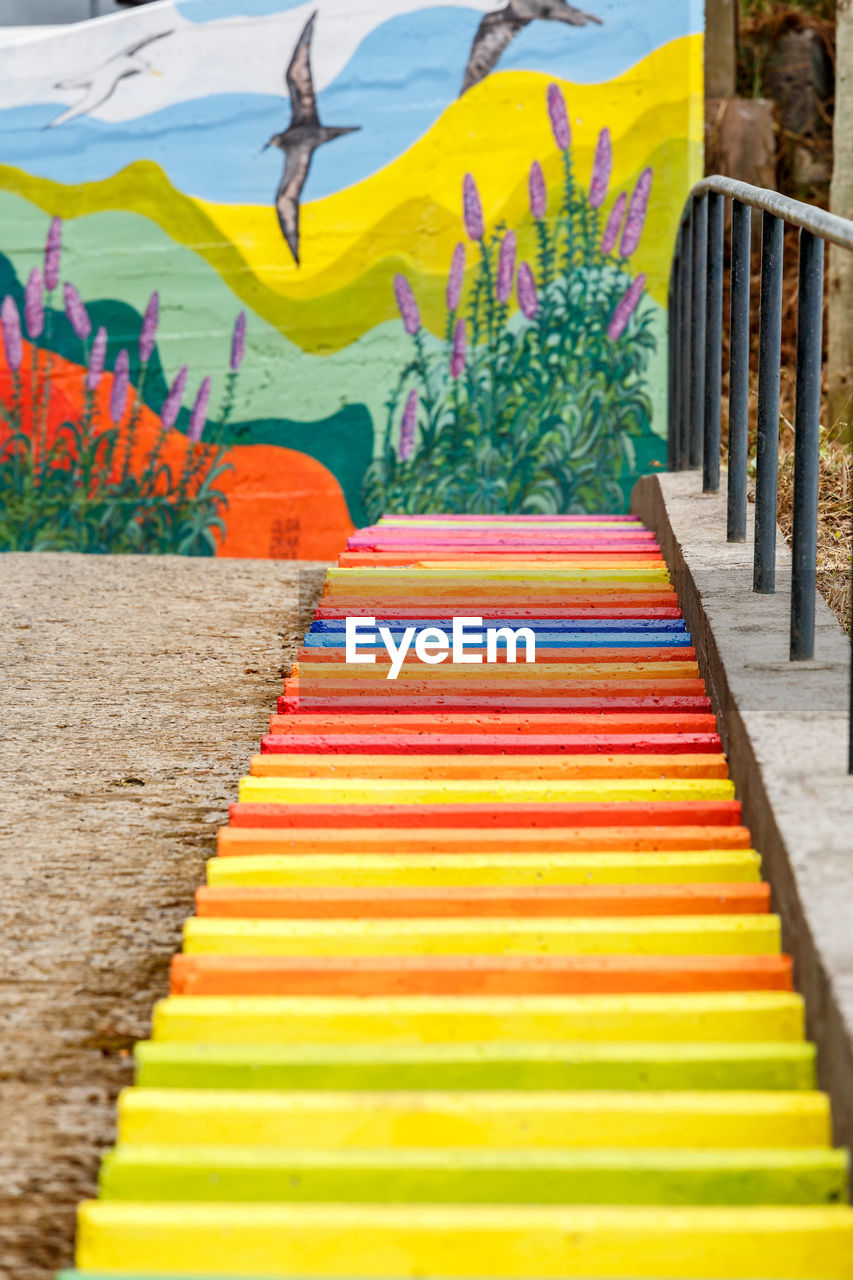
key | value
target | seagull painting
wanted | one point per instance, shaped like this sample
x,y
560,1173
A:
x,y
498,30
301,138
101,83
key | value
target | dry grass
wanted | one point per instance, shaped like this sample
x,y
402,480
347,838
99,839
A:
x,y
833,556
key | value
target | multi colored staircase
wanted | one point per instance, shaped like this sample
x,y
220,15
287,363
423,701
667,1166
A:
x,y
484,980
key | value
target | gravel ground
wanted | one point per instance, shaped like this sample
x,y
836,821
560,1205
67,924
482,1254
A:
x,y
135,688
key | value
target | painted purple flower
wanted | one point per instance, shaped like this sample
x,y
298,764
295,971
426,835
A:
x,y
198,417
625,308
148,333
602,166
472,208
238,342
456,278
614,222
537,190
34,304
52,253
121,381
506,268
457,358
528,299
408,423
10,323
172,403
559,117
636,214
407,304
77,314
96,361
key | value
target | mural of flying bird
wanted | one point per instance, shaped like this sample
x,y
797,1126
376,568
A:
x,y
301,138
498,30
101,82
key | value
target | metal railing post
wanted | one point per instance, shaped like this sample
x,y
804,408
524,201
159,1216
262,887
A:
x,y
739,371
769,361
850,720
672,369
713,347
697,325
684,309
806,444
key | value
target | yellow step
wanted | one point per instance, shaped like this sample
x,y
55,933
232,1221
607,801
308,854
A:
x,y
459,791
468,1241
378,870
492,1118
622,935
734,1016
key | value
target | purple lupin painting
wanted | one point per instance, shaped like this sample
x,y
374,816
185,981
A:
x,y
550,328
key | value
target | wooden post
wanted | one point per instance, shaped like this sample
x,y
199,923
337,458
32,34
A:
x,y
720,48
840,350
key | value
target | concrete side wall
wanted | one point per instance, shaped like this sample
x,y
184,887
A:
x,y
784,728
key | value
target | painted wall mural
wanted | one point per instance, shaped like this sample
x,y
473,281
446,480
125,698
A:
x,y
270,267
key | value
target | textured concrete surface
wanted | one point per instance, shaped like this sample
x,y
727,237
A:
x,y
784,726
135,690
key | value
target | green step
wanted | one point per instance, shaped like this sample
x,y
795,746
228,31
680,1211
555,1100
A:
x,y
747,1065
468,1175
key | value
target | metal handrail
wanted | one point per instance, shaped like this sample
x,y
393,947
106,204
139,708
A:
x,y
695,373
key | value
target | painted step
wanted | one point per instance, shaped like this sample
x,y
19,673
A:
x,y
565,638
772,1015
458,791
497,520
642,554
566,626
494,935
507,534
520,545
654,607
492,686
468,583
650,606
542,900
526,816
785,1065
448,1242
492,768
456,580
387,870
398,840
476,1176
475,975
304,1119
313,703
478,577
562,644
599,654
493,744
500,727
340,839
74,1274
540,590
526,677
